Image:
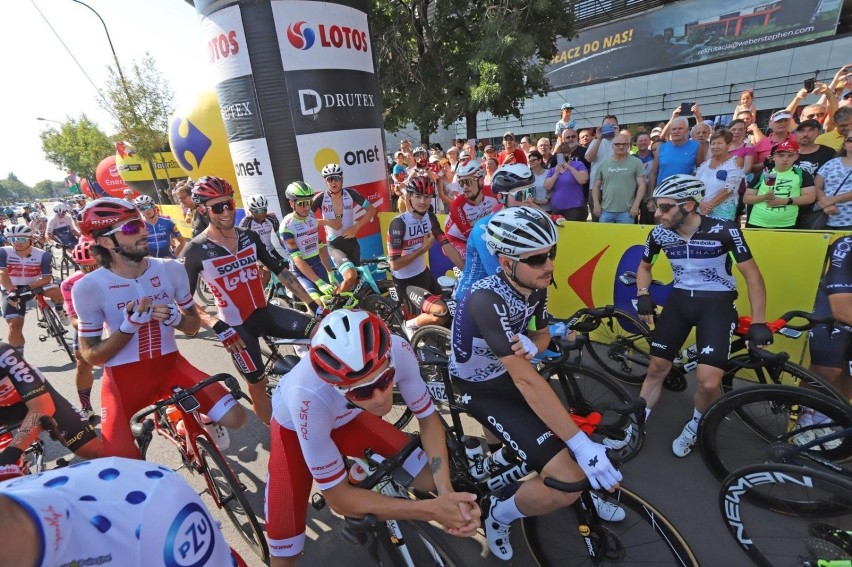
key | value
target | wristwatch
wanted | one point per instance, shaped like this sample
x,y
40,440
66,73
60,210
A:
x,y
789,201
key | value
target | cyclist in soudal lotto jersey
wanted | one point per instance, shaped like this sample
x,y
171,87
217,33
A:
x,y
498,327
27,398
309,259
83,377
163,234
226,258
109,511
469,207
60,227
266,225
138,303
24,267
336,208
330,405
701,251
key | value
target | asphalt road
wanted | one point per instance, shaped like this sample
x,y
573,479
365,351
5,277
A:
x,y
682,489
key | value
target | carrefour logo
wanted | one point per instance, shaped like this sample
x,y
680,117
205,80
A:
x,y
300,38
303,37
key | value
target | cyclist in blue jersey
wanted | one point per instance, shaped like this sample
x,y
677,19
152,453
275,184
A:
x,y
162,231
701,251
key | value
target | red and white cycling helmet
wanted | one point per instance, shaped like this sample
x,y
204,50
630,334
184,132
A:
x,y
105,213
420,184
82,253
349,346
209,187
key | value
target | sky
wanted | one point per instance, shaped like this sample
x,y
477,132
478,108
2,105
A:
x,y
41,78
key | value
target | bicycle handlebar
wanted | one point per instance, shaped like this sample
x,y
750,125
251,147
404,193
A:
x,y
812,320
580,485
388,465
137,427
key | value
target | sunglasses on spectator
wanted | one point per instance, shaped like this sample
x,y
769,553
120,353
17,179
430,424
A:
x,y
305,203
145,207
259,211
219,208
365,392
666,207
334,178
538,260
129,228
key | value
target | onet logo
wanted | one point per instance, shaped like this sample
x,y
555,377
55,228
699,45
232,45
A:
x,y
352,157
301,38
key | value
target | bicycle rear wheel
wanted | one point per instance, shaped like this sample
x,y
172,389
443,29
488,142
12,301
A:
x,y
57,331
227,493
387,310
784,515
644,537
584,390
744,371
757,424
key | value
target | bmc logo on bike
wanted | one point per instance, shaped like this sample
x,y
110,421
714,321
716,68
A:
x,y
192,537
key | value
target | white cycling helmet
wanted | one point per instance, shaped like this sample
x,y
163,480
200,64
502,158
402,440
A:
x,y
35,216
143,200
516,230
257,202
469,169
680,187
60,208
512,177
18,230
331,169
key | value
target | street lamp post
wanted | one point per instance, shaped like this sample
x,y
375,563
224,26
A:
x,y
49,120
111,47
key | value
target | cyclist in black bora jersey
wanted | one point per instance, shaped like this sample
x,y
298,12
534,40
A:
x,y
700,250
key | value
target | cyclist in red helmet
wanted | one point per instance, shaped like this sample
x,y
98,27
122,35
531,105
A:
x,y
410,237
331,405
226,257
82,256
140,302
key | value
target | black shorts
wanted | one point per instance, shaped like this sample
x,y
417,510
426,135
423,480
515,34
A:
x,y
829,349
74,428
714,316
269,321
12,312
419,292
344,250
500,407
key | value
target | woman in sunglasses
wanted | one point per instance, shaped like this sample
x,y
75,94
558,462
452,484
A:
x,y
700,250
335,210
162,231
128,311
331,405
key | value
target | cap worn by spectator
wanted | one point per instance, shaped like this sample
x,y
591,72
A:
x,y
809,124
452,150
489,149
847,94
464,155
509,135
788,146
780,115
398,154
566,105
656,133
434,159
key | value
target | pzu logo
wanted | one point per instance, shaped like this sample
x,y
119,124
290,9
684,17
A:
x,y
301,37
191,538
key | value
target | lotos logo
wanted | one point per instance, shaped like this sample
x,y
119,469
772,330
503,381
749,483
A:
x,y
299,38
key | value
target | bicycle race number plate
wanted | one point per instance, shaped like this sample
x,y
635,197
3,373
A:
x,y
437,389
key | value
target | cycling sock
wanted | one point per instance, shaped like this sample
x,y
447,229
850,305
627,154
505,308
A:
x,y
506,511
85,398
693,423
647,413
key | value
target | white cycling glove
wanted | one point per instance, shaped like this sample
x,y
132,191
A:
x,y
175,316
529,346
133,321
592,459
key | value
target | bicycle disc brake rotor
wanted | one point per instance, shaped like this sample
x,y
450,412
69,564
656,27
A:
x,y
675,381
607,545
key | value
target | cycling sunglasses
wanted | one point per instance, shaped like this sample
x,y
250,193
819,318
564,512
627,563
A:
x,y
259,211
145,207
219,208
303,203
666,207
520,195
334,178
19,239
539,260
131,227
365,392
468,182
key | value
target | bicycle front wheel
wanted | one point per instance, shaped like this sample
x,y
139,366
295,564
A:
x,y
643,537
420,544
57,331
227,493
622,346
203,293
758,424
744,371
386,309
784,515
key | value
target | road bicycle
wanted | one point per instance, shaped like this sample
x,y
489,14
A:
x,y
795,507
48,320
401,543
621,346
67,265
32,460
200,454
751,425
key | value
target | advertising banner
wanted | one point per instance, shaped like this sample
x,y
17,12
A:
x,y
688,32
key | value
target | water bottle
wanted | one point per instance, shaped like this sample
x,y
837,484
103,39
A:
x,y
475,457
357,472
498,461
173,415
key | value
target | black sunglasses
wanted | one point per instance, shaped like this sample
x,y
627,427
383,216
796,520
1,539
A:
x,y
539,260
219,208
666,207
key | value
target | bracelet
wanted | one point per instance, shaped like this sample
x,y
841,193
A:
x,y
642,291
790,201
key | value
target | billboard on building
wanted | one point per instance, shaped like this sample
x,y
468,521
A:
x,y
689,32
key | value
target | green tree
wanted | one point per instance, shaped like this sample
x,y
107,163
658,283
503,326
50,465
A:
x,y
78,145
13,189
46,189
141,103
444,60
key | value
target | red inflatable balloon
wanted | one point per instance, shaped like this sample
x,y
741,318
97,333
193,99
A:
x,y
109,179
87,189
